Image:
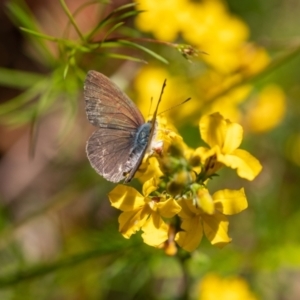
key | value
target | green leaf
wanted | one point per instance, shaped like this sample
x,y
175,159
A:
x,y
20,14
18,79
129,14
123,7
148,51
110,18
66,69
23,99
124,57
76,12
40,35
71,18
111,30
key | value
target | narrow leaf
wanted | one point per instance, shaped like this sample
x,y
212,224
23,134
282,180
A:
x,y
148,51
124,57
108,19
20,14
40,35
18,79
111,30
72,20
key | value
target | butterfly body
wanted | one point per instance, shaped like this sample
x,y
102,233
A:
x,y
116,149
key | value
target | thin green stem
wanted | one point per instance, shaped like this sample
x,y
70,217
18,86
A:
x,y
110,18
68,13
147,40
76,12
45,269
183,258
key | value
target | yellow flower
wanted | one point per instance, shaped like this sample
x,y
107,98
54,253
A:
x,y
143,212
215,30
207,24
149,168
148,84
214,287
259,118
252,59
224,138
165,137
195,221
161,18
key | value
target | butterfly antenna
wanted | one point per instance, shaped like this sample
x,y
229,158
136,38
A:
x,y
151,102
159,100
186,100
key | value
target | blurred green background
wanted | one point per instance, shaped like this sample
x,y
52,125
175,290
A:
x,y
58,233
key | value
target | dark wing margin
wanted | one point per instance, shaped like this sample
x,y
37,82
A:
x,y
107,106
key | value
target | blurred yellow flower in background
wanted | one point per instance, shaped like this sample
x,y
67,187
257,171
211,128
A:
x,y
162,18
209,26
217,32
267,110
214,287
229,103
252,59
148,85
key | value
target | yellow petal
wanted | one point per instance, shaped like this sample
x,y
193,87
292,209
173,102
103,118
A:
x,y
204,153
155,230
149,168
205,201
150,186
230,202
168,208
125,198
213,129
246,165
215,228
190,238
130,222
188,209
233,137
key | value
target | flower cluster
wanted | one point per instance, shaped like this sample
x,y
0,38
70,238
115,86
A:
x,y
176,206
223,83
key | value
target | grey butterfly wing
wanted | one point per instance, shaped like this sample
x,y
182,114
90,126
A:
x,y
110,146
107,151
107,106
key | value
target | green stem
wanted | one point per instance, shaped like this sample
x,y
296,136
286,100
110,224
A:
x,y
183,257
44,269
147,40
68,13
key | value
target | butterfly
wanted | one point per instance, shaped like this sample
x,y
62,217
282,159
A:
x,y
117,148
